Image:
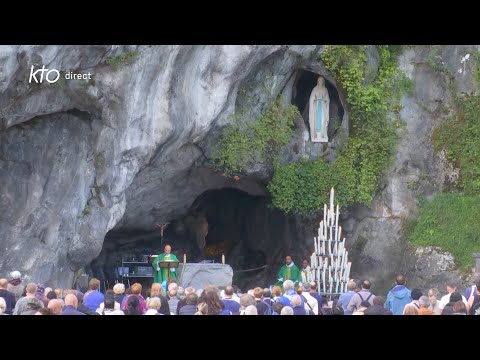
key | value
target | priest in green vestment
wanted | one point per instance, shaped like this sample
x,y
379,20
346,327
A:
x,y
289,271
161,274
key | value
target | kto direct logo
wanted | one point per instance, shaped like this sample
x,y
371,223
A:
x,y
51,78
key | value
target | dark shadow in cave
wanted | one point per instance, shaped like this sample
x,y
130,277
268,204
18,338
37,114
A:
x,y
304,84
241,226
247,231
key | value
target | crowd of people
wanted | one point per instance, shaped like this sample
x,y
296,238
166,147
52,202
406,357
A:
x,y
292,298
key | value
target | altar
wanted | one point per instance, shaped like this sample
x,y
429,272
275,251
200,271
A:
x,y
200,275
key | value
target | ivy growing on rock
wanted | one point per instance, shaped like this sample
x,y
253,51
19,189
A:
x,y
459,137
449,221
242,144
374,109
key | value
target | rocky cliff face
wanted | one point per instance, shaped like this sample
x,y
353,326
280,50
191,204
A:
x,y
378,235
126,149
130,148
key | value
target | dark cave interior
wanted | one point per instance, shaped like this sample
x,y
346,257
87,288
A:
x,y
240,226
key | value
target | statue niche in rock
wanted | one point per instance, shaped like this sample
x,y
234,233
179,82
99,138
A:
x,y
318,114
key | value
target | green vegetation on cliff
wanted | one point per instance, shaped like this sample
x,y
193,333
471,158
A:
x,y
117,61
374,108
374,112
459,137
243,144
450,221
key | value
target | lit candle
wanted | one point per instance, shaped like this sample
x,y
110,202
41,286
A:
x,y
223,259
184,258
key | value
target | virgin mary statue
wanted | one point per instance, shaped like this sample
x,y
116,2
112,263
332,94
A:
x,y
319,112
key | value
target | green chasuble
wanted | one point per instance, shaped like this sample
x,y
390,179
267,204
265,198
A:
x,y
290,273
162,274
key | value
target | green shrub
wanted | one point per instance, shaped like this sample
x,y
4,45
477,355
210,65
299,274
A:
x,y
242,144
476,69
459,136
99,161
117,61
86,211
374,109
450,221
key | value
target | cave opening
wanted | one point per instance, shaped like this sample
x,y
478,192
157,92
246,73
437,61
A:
x,y
226,221
304,83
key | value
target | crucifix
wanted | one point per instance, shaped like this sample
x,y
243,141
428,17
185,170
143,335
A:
x,y
162,227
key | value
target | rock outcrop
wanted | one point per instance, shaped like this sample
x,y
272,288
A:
x,y
130,148
126,149
200,276
377,235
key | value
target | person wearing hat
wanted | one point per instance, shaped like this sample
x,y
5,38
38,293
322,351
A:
x,y
15,284
40,295
80,306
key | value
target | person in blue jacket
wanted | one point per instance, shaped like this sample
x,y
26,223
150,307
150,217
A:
x,y
398,297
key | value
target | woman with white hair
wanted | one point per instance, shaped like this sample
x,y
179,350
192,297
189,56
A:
x,y
286,310
153,305
251,310
15,284
119,290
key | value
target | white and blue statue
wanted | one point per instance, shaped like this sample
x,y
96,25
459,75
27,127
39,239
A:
x,y
319,112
